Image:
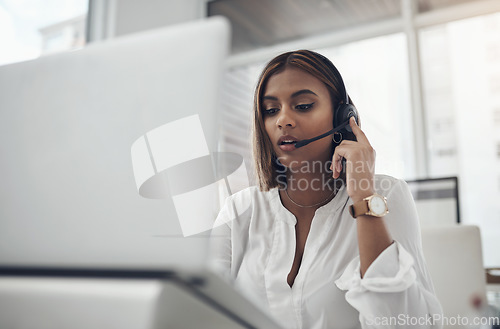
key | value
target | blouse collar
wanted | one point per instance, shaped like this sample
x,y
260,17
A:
x,y
282,213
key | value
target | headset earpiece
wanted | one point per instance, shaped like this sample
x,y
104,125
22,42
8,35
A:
x,y
343,113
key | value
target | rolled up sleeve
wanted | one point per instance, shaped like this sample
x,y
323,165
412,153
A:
x,y
392,271
396,290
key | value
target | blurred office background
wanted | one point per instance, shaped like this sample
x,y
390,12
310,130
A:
x,y
424,74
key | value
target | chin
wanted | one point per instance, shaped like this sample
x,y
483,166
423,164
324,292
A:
x,y
295,163
286,160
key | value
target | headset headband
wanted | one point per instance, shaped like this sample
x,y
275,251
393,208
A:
x,y
336,72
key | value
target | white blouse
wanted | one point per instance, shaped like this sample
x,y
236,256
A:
x,y
255,249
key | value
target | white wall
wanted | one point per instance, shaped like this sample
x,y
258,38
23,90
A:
x,y
133,16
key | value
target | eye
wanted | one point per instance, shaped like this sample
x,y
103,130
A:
x,y
304,107
270,111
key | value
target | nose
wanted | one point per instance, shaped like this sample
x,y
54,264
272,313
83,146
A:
x,y
285,118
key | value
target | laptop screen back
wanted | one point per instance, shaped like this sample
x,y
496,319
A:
x,y
67,124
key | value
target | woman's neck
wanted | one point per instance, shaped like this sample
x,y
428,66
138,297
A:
x,y
305,188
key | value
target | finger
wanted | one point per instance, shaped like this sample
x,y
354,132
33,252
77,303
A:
x,y
360,135
340,152
347,142
338,155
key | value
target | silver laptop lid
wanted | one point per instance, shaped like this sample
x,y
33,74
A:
x,y
67,126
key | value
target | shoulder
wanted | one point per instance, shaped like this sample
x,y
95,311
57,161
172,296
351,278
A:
x,y
249,202
385,185
250,195
402,220
402,216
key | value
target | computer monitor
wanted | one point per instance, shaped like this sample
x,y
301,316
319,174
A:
x,y
437,201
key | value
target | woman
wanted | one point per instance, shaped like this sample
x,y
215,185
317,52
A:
x,y
294,244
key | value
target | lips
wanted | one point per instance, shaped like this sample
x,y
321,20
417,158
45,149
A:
x,y
287,142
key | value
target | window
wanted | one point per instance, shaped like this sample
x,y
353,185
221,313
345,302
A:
x,y
378,84
31,28
461,84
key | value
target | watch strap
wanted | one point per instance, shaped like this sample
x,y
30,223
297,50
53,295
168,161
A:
x,y
359,208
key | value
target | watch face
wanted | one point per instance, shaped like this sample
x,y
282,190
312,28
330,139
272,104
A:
x,y
377,205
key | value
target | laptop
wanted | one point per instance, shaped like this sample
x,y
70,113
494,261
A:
x,y
81,138
68,122
453,255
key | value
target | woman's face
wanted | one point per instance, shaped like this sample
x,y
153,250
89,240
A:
x,y
297,106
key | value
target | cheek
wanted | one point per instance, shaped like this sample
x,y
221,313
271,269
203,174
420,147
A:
x,y
328,120
321,123
268,127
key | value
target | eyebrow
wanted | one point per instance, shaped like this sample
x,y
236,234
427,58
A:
x,y
295,94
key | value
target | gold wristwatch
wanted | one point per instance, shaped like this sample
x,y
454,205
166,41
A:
x,y
374,205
